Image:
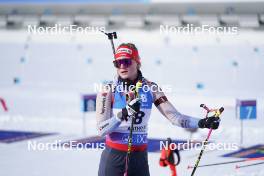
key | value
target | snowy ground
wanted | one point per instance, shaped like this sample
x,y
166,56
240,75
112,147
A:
x,y
16,159
57,70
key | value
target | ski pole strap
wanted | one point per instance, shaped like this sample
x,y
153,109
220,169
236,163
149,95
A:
x,y
217,112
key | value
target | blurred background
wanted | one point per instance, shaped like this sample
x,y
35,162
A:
x,y
47,78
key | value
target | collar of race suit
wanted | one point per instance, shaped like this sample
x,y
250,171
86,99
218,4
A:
x,y
129,82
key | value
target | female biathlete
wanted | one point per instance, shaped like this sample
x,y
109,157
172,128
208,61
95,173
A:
x,y
115,105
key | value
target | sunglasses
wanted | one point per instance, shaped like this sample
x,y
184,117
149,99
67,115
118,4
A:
x,y
125,62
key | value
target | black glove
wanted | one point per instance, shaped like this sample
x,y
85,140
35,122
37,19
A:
x,y
209,122
131,108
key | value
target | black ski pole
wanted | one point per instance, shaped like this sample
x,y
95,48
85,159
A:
x,y
237,167
216,164
111,36
228,162
129,145
217,114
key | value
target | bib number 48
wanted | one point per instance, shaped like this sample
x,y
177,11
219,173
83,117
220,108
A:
x,y
138,117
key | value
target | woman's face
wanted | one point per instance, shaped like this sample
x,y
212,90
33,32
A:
x,y
128,72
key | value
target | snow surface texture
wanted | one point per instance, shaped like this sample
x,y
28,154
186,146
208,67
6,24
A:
x,y
54,71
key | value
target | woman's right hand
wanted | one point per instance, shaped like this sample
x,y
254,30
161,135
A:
x,y
131,108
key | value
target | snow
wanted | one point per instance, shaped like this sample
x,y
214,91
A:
x,y
56,74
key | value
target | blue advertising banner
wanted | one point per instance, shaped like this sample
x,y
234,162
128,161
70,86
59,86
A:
x,y
247,109
88,102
